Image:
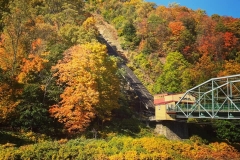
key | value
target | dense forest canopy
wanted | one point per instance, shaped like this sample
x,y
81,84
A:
x,y
209,45
52,67
55,75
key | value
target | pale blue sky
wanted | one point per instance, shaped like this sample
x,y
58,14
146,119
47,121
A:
x,y
220,7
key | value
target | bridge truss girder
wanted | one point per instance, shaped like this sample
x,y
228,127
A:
x,y
217,98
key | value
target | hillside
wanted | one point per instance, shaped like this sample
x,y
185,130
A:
x,y
109,32
58,82
206,47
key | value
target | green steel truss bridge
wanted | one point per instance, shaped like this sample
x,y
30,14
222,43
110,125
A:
x,y
217,98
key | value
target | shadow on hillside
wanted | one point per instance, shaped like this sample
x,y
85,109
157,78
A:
x,y
112,50
11,139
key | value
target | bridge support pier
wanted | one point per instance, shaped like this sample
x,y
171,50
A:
x,y
173,130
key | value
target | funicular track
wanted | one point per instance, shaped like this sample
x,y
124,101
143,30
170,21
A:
x,y
146,99
143,94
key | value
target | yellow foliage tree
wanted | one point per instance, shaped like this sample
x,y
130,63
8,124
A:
x,y
231,67
133,2
89,22
91,86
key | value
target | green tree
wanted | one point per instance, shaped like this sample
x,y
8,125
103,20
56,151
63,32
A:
x,y
172,77
130,37
32,114
4,7
227,129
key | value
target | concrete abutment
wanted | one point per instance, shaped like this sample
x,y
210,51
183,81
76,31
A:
x,y
173,130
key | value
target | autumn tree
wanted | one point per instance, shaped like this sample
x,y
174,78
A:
x,y
73,34
91,87
144,8
172,43
30,43
230,67
204,69
176,28
8,101
229,46
11,53
152,31
13,34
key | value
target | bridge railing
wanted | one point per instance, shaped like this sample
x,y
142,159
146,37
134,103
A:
x,y
208,107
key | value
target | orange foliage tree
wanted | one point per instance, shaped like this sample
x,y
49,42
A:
x,y
230,67
204,69
176,28
31,65
13,49
8,87
91,86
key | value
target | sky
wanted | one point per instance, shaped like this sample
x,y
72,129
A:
x,y
220,7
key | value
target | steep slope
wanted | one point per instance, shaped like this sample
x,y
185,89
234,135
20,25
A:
x,y
110,38
108,32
